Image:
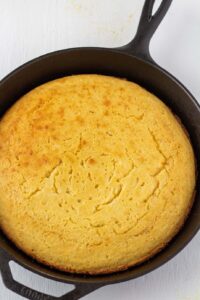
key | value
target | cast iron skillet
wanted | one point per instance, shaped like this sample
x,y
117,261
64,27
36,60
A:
x,y
133,62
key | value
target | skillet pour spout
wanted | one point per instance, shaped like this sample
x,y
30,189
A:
x,y
132,61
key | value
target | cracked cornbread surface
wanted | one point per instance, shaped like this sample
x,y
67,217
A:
x,y
96,173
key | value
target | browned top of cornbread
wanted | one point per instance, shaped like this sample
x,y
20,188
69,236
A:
x,y
96,174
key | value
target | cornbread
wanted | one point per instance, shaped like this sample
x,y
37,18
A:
x,y
97,174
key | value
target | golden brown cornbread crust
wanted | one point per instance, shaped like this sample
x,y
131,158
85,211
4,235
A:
x,y
96,173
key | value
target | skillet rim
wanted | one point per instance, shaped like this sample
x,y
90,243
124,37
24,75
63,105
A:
x,y
23,260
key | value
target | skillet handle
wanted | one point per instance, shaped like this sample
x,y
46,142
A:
x,y
148,24
79,291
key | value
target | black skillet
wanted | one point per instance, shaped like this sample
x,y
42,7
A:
x,y
133,62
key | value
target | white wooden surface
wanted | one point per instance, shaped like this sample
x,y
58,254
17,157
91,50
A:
x,y
31,28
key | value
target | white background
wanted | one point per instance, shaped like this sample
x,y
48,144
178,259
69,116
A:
x,y
31,28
